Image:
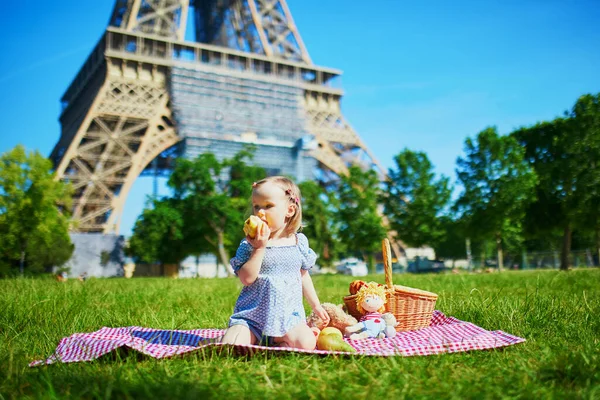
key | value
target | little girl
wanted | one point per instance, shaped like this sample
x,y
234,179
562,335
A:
x,y
274,270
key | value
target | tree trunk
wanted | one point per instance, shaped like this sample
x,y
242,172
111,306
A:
x,y
326,251
22,263
566,248
371,263
223,254
499,259
597,263
469,257
482,257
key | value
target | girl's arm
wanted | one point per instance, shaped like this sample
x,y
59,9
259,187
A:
x,y
249,271
310,294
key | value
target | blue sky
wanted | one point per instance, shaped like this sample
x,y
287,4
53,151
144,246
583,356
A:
x,y
419,74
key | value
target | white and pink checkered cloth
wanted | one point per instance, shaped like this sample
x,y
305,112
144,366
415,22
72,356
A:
x,y
445,335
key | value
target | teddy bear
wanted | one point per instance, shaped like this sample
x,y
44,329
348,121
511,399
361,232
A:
x,y
337,318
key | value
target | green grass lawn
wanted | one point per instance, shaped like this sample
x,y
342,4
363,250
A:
x,y
557,312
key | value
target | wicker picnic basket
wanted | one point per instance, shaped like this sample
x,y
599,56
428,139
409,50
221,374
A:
x,y
412,308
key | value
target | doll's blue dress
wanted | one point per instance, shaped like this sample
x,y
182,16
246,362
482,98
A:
x,y
272,304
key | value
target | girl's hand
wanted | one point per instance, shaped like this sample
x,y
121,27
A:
x,y
262,237
321,313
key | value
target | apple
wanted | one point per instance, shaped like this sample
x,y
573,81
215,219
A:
x,y
251,226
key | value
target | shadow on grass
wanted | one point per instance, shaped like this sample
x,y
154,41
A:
x,y
572,369
118,383
127,373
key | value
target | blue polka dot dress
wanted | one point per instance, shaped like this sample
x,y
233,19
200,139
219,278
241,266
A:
x,y
272,304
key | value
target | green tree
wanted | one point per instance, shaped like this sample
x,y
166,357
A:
x,y
498,185
238,186
205,210
34,213
585,117
319,222
415,200
547,149
52,248
361,225
158,234
205,214
213,208
453,243
565,154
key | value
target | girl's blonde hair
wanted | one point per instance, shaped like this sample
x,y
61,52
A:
x,y
294,223
370,289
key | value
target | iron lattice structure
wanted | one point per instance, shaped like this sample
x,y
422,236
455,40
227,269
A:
x,y
145,95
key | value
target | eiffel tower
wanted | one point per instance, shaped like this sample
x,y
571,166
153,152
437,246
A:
x,y
145,96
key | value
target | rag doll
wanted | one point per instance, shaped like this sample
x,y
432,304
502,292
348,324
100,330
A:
x,y
370,301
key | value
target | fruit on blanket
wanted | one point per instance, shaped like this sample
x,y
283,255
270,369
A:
x,y
330,330
332,339
252,225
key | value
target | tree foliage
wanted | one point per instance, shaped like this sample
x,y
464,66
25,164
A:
x,y
565,154
158,234
498,185
34,213
204,215
586,125
319,222
452,244
361,225
415,200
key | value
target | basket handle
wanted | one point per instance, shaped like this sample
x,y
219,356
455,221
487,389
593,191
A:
x,y
387,263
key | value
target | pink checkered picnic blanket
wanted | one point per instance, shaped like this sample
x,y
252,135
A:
x,y
445,335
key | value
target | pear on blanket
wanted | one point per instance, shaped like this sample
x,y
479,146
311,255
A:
x,y
332,339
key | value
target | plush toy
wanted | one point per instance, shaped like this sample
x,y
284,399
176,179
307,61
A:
x,y
370,301
357,284
390,326
332,339
337,318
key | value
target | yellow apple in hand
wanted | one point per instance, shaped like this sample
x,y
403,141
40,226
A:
x,y
251,226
